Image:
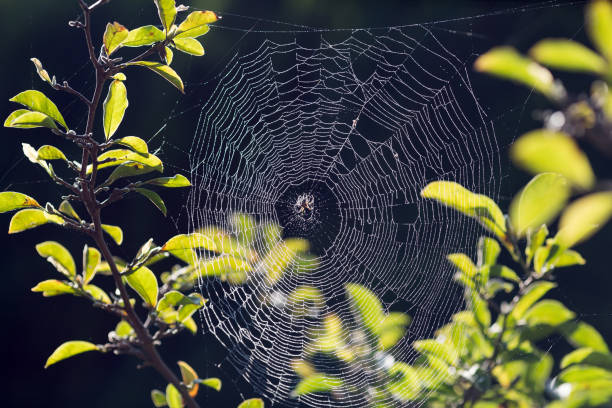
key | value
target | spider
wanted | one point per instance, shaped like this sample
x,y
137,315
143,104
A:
x,y
305,205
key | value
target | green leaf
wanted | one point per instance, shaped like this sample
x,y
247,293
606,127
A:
x,y
211,382
539,202
583,373
542,151
119,156
583,218
123,329
38,102
191,325
568,258
127,169
53,287
252,403
145,35
186,305
158,398
91,260
314,384
568,55
114,107
135,143
164,71
196,24
32,218
534,241
25,119
32,155
116,233
48,152
144,282
167,12
182,245
154,198
114,35
366,305
177,180
168,55
173,397
532,295
588,356
548,312
69,349
58,256
189,46
42,73
599,26
97,293
404,383
10,200
502,271
66,208
507,63
581,334
488,251
477,206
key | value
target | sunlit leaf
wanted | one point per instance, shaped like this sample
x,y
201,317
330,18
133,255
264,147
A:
x,y
58,256
69,349
582,373
252,403
196,24
123,329
158,398
186,305
588,356
42,73
168,55
119,156
181,245
91,260
581,334
97,293
532,295
167,13
145,35
366,305
567,55
315,384
10,200
405,383
144,282
549,312
542,151
539,202
32,218
568,258
127,169
534,240
135,143
114,107
25,119
473,205
164,71
177,180
189,46
507,63
599,26
48,152
154,198
211,382
116,233
583,218
173,396
53,287
38,102
114,35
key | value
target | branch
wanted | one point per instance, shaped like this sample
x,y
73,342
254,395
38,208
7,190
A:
x,y
67,88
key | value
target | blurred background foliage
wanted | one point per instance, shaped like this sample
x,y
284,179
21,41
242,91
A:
x,y
37,28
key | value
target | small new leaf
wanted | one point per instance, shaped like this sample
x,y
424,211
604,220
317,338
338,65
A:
x,y
167,13
177,180
158,398
114,35
69,349
42,73
144,282
66,208
252,403
91,260
115,104
116,233
173,397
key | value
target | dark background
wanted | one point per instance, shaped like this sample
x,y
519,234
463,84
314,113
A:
x,y
33,326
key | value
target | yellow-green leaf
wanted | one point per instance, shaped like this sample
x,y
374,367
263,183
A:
x,y
366,304
32,218
158,398
97,293
116,233
119,156
539,202
583,218
154,198
173,396
599,26
127,169
168,55
10,200
567,55
69,349
38,102
549,312
189,46
211,382
66,208
114,35
581,334
115,104
167,13
144,282
196,24
58,256
42,73
164,71
542,151
252,403
177,180
507,63
532,295
135,143
91,260
145,35
53,287
48,152
315,383
25,119
473,205
182,245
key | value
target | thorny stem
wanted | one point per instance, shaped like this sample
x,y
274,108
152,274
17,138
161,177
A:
x,y
87,195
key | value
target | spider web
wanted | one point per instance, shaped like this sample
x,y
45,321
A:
x,y
358,122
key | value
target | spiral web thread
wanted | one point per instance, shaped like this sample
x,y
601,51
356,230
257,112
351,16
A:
x,y
360,125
